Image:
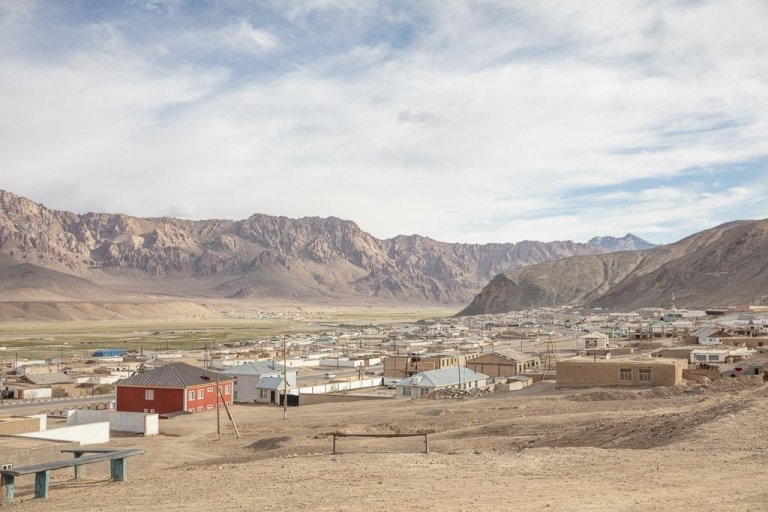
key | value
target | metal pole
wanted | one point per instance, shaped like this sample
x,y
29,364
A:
x,y
285,380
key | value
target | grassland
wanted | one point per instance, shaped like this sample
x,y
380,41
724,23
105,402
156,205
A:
x,y
52,339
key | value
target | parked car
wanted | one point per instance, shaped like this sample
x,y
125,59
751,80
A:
x,y
329,375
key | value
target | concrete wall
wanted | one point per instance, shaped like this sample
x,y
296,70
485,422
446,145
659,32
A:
x,y
583,372
758,342
30,393
12,426
342,362
136,422
92,433
49,452
342,386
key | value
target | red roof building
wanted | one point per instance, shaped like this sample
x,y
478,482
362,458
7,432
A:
x,y
173,388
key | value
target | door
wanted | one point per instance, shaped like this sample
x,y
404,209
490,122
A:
x,y
271,397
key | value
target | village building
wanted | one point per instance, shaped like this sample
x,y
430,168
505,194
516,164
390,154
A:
x,y
504,363
61,384
424,383
260,381
638,372
173,388
400,367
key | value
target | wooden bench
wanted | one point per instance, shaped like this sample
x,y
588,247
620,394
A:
x,y
42,471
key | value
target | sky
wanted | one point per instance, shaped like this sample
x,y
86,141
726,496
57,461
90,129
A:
x,y
465,121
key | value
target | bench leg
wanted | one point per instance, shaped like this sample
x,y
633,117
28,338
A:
x,y
79,470
41,484
117,469
8,482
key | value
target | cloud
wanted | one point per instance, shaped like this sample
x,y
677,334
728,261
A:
x,y
241,36
464,121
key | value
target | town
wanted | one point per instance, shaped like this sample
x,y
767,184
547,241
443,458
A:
x,y
109,392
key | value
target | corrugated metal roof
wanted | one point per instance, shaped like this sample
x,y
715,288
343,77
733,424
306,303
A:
x,y
174,375
255,368
270,383
443,377
46,379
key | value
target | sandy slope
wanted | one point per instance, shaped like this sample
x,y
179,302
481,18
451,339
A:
x,y
694,450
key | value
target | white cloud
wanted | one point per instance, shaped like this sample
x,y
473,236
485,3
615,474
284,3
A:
x,y
242,36
487,123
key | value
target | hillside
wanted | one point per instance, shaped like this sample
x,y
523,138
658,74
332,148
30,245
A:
x,y
261,256
720,266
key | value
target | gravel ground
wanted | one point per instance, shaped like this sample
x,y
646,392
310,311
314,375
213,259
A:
x,y
701,449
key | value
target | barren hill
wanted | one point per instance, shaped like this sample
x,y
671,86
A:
x,y
261,256
720,266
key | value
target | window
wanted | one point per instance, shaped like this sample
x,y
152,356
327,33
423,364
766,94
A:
x,y
210,389
701,357
200,393
191,394
263,393
713,357
228,389
645,375
200,409
424,391
210,406
406,391
149,394
625,374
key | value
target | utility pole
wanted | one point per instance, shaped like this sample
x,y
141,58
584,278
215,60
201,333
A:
x,y
218,407
285,379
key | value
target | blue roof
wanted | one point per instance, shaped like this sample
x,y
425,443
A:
x,y
255,368
270,383
443,377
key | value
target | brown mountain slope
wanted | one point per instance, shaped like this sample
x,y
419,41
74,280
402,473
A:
x,y
720,266
27,282
261,256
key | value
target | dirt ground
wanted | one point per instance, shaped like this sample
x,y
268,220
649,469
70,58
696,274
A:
x,y
701,447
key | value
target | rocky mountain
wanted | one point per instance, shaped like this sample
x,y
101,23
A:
x,y
261,256
628,242
717,267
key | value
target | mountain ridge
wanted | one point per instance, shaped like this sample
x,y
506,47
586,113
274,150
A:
x,y
720,266
260,256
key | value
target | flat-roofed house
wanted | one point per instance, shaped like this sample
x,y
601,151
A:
x,y
637,372
504,363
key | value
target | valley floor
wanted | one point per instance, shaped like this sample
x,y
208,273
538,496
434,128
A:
x,y
681,449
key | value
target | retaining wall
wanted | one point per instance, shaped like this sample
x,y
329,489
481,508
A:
x,y
136,422
92,433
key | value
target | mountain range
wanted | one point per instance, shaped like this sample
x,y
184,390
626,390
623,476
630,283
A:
x,y
58,256
722,266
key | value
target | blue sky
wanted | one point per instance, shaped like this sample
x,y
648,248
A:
x,y
471,121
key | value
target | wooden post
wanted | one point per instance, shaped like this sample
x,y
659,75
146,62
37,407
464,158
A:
x,y
334,444
426,444
218,407
229,415
41,484
79,470
117,469
9,483
285,379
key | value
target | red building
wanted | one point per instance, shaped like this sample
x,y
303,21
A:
x,y
176,387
